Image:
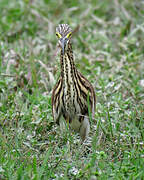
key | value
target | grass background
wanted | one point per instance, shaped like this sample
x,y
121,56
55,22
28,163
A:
x,y
108,48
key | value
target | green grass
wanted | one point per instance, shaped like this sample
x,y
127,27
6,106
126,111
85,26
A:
x,y
109,50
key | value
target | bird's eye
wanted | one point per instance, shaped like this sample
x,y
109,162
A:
x,y
58,35
69,35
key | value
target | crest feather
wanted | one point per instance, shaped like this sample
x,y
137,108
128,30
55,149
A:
x,y
63,29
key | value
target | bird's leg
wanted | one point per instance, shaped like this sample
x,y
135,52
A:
x,y
67,121
69,140
85,128
68,127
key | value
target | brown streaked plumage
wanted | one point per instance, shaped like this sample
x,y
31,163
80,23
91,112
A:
x,y
71,93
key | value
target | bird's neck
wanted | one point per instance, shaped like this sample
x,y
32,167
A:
x,y
67,64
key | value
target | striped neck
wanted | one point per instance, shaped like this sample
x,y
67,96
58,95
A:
x,y
68,74
67,63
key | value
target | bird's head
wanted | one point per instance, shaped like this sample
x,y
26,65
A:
x,y
63,32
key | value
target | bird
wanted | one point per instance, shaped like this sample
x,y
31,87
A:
x,y
73,96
